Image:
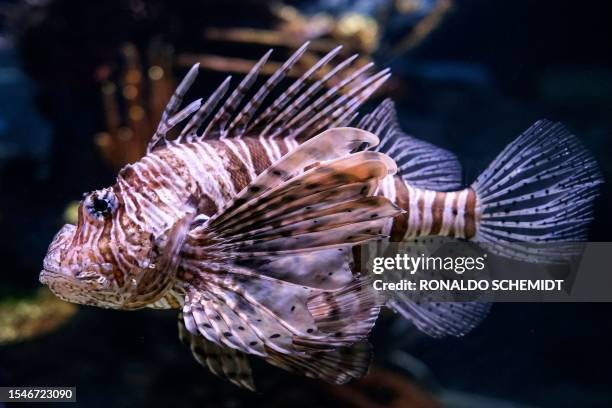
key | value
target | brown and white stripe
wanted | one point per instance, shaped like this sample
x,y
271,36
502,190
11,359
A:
x,y
430,213
155,189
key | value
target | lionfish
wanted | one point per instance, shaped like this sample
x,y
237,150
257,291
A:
x,y
246,220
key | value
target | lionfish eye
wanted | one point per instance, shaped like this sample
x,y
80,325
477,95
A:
x,y
101,203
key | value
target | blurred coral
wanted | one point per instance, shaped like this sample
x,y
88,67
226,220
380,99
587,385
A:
x,y
28,317
134,102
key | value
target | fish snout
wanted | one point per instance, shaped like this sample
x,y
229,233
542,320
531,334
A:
x,y
52,261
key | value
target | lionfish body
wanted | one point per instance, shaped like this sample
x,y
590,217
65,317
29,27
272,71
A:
x,y
246,221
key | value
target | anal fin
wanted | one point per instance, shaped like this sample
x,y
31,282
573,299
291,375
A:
x,y
337,367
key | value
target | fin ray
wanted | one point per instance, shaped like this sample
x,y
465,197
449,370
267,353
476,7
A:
x,y
420,164
278,118
336,367
539,189
223,362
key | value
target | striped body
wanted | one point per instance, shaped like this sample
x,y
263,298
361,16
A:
x,y
217,169
220,168
430,213
212,170
205,174
201,176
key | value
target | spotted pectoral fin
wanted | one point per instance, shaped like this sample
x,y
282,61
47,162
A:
x,y
420,164
304,214
224,362
326,269
338,366
288,212
257,314
329,145
348,314
253,315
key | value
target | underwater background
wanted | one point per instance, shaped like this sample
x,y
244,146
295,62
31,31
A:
x,y
468,76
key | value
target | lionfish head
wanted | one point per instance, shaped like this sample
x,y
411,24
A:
x,y
108,259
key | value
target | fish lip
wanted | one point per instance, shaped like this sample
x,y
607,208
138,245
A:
x,y
52,261
43,277
46,275
51,269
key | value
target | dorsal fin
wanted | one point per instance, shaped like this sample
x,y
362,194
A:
x,y
172,107
224,114
270,115
206,109
420,164
312,103
242,119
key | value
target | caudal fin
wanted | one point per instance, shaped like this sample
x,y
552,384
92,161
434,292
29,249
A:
x,y
539,190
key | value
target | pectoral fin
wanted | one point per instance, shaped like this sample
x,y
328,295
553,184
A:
x,y
224,362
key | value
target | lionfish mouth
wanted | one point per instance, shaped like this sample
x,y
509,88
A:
x,y
51,264
50,271
45,276
53,279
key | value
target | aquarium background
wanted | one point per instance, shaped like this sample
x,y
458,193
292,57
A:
x,y
485,73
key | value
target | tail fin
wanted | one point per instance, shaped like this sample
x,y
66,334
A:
x,y
540,189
